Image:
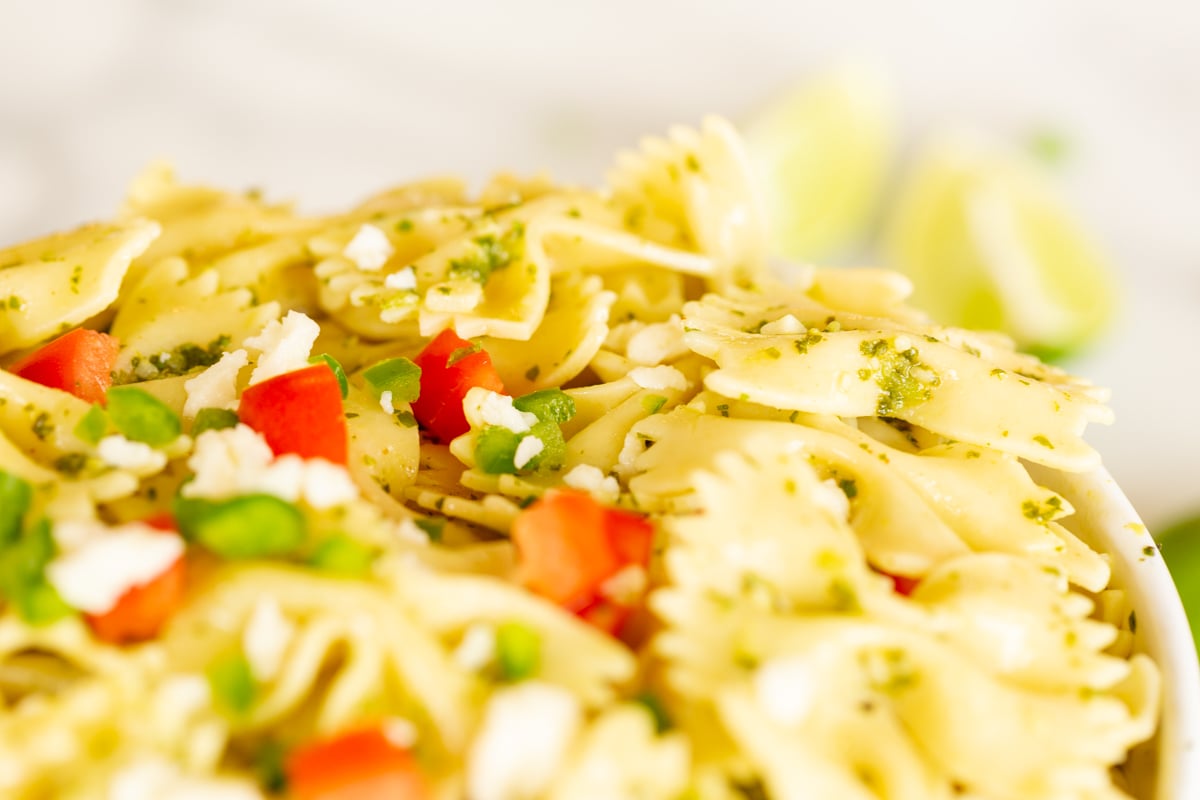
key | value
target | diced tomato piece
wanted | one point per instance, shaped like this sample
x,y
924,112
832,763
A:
x,y
450,367
80,362
569,546
901,584
299,412
359,765
143,610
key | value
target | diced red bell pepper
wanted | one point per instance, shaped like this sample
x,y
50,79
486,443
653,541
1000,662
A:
x,y
299,412
359,765
142,611
450,367
80,362
569,545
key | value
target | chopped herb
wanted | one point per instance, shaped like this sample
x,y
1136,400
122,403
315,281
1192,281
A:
x,y
905,381
723,409
432,526
1048,146
532,373
76,277
518,651
548,405
806,341
772,352
406,419
42,426
270,766
844,597
232,683
248,526
653,403
1133,622
997,373
849,488
399,376
71,464
183,359
463,352
658,712
213,419
890,670
1042,513
1043,441
1149,551
490,253
692,163
93,425
338,372
404,226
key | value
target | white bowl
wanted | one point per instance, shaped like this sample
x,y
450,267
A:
x,y
1167,767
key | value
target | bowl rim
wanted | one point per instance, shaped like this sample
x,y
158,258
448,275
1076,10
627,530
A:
x,y
1106,519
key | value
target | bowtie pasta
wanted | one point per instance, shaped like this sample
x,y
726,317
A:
x,y
542,493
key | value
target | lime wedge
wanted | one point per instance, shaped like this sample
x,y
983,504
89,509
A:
x,y
820,155
988,244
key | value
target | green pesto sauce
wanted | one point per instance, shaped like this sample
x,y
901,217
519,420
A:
x,y
490,253
1042,513
904,379
180,361
806,341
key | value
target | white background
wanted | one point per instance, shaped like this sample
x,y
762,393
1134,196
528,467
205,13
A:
x,y
326,102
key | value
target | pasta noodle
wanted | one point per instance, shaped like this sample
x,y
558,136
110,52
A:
x,y
557,493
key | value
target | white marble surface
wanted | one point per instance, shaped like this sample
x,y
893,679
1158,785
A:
x,y
325,101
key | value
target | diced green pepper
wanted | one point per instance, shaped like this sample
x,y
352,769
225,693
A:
x,y
340,373
341,555
518,651
213,419
249,526
93,425
399,376
548,405
232,683
142,417
15,497
496,449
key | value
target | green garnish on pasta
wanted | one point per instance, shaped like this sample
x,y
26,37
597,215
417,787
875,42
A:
x,y
502,495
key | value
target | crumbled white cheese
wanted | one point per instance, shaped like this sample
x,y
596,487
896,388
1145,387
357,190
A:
x,y
658,378
283,346
215,387
786,324
405,280
591,479
226,462
632,447
238,460
454,297
94,576
158,779
327,484
656,343
385,402
399,732
829,496
137,457
527,449
626,586
283,477
266,638
476,648
483,407
70,534
369,249
785,689
526,731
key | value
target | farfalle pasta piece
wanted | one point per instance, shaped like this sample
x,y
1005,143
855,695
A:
x,y
54,283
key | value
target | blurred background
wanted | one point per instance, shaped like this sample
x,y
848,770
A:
x,y
1089,114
